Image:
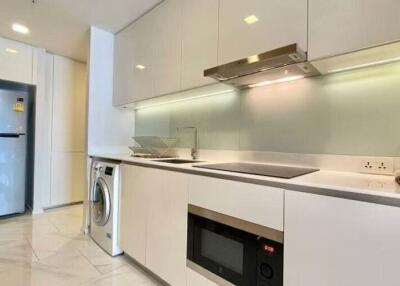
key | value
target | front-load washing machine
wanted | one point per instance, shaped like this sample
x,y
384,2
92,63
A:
x,y
104,205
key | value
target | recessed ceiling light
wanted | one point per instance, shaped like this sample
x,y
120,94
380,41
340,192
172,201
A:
x,y
251,19
20,28
140,67
11,51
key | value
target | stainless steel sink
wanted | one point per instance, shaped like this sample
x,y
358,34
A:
x,y
177,161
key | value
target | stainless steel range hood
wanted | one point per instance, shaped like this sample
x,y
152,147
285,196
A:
x,y
279,65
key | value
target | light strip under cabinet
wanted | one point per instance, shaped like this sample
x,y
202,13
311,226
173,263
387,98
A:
x,y
392,60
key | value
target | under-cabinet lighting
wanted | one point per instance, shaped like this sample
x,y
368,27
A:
x,y
284,79
11,51
252,19
140,67
365,65
20,28
182,99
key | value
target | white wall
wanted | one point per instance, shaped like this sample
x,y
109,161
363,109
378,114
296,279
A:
x,y
109,128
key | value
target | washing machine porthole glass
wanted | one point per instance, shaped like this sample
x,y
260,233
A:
x,y
101,202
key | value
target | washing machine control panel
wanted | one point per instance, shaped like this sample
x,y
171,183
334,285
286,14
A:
x,y
109,171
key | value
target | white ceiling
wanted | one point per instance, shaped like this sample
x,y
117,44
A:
x,y
61,26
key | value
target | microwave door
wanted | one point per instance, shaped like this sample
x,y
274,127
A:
x,y
223,251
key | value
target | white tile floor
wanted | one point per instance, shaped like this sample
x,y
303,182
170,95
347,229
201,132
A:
x,y
48,249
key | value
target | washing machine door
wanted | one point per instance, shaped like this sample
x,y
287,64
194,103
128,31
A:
x,y
101,202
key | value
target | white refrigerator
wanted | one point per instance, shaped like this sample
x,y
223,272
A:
x,y
13,151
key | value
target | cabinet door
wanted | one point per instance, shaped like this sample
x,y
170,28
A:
x,y
258,204
133,212
337,242
133,62
167,225
167,46
280,23
339,26
68,181
199,41
16,61
68,132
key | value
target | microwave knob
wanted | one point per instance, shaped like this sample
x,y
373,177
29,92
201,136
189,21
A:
x,y
266,271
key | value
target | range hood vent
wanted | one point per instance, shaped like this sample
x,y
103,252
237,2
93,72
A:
x,y
279,65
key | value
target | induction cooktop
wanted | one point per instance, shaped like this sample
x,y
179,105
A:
x,y
284,172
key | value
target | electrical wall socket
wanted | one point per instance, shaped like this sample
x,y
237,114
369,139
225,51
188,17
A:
x,y
381,166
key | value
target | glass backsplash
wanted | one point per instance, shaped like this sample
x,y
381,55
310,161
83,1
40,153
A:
x,y
349,113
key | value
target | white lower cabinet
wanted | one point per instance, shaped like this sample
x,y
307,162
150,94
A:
x,y
133,213
253,203
338,242
154,220
167,225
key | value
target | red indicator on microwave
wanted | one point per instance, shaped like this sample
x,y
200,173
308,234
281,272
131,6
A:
x,y
269,249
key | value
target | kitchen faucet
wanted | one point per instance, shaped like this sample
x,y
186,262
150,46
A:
x,y
194,151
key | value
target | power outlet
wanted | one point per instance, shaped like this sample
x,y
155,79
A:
x,y
381,166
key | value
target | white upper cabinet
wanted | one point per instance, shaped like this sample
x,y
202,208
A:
x,y
132,62
340,26
255,26
16,61
199,41
167,47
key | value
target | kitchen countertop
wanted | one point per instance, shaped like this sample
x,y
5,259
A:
x,y
355,186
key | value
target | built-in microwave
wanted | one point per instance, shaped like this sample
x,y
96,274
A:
x,y
234,251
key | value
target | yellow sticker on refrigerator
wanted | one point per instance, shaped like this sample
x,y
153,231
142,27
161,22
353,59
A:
x,y
19,107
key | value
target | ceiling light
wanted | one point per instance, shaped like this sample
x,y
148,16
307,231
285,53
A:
x,y
20,28
284,79
251,19
11,51
365,65
140,67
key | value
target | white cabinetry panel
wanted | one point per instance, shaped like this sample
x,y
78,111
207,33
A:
x,y
16,61
68,128
167,47
154,220
67,177
339,26
133,59
199,41
167,225
337,242
258,204
280,23
134,204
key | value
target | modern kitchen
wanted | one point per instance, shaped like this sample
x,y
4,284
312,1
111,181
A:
x,y
199,142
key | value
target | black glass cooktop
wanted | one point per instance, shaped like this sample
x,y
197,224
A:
x,y
277,171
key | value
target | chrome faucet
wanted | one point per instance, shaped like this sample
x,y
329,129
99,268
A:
x,y
194,151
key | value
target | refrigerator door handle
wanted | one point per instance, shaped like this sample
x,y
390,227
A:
x,y
11,135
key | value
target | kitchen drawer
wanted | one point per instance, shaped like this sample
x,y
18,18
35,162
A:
x,y
254,203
